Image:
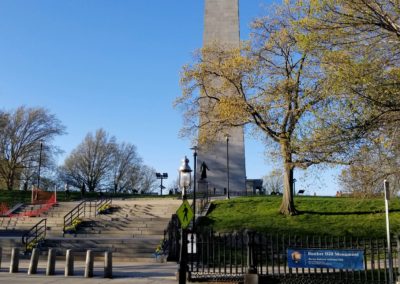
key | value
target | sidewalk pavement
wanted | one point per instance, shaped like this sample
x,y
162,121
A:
x,y
141,273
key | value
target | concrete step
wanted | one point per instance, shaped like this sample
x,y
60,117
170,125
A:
x,y
133,249
7,243
132,230
106,235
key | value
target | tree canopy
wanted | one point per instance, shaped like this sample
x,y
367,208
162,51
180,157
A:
x,y
359,43
275,88
101,163
22,131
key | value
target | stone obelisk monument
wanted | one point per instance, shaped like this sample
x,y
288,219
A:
x,y
226,158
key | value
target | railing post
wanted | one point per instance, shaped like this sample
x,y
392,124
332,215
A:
x,y
69,263
51,262
251,277
398,259
34,262
14,263
89,264
95,208
64,226
108,264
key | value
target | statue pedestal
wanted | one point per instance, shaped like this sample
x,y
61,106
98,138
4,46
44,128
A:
x,y
202,195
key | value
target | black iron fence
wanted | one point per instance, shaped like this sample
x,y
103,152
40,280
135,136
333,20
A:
x,y
229,257
172,237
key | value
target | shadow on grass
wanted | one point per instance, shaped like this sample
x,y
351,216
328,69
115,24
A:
x,y
301,212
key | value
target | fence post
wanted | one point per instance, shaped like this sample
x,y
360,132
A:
x,y
14,260
108,264
251,276
51,262
69,263
398,259
34,262
89,264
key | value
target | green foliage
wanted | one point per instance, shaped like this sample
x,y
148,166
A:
x,y
330,216
161,248
11,198
273,85
74,226
103,208
18,196
33,244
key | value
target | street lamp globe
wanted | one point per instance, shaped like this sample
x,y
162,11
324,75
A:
x,y
185,176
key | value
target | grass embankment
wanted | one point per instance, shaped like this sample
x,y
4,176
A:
x,y
319,216
12,197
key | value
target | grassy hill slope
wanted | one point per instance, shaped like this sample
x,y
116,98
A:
x,y
319,216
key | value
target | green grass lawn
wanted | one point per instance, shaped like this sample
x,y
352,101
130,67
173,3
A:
x,y
12,197
319,216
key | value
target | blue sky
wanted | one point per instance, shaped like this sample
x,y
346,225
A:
x,y
115,64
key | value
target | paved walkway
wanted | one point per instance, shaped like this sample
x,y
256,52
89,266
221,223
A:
x,y
141,273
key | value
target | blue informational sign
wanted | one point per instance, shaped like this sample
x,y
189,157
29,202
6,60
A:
x,y
352,259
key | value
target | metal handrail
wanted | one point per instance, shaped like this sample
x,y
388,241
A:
x,y
35,234
80,210
75,213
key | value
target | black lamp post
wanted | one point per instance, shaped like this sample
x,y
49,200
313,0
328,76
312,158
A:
x,y
227,163
194,148
161,176
40,164
185,177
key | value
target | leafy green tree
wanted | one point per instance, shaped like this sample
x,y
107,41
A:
x,y
358,42
376,162
275,89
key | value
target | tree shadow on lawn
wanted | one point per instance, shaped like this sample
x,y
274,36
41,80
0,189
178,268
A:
x,y
301,212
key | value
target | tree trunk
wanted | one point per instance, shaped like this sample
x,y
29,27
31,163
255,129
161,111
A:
x,y
10,181
91,186
83,189
10,184
287,206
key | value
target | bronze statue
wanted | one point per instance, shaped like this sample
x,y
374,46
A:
x,y
203,170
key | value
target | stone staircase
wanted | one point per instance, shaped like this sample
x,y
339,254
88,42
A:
x,y
131,231
55,219
12,228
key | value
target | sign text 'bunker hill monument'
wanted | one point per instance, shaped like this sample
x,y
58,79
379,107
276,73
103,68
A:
x,y
225,158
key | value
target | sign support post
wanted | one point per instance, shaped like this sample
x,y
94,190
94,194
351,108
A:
x,y
389,244
185,216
